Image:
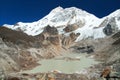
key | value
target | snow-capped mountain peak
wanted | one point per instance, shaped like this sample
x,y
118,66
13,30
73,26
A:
x,y
61,18
59,8
57,17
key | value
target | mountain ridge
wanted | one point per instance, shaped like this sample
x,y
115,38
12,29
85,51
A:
x,y
60,18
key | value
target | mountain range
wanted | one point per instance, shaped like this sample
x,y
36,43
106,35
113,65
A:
x,y
88,25
69,30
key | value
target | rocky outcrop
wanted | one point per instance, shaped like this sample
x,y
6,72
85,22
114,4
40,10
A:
x,y
70,28
84,49
49,36
53,43
50,30
68,40
111,27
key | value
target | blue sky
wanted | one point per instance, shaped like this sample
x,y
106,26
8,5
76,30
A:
x,y
13,11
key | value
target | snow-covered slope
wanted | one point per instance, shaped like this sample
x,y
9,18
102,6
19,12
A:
x,y
60,18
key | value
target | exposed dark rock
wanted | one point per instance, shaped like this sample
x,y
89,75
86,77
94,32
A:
x,y
49,36
86,49
51,30
116,35
72,35
54,40
108,30
111,27
70,28
40,37
15,78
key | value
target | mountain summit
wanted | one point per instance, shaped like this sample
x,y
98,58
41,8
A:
x,y
87,24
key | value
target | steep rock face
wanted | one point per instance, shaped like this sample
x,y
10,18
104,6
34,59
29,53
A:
x,y
49,36
111,27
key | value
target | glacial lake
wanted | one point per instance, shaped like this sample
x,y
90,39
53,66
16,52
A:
x,y
68,63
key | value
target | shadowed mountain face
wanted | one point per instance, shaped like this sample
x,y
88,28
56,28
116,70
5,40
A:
x,y
13,36
16,37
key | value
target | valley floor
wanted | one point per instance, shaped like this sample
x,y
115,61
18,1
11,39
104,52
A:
x,y
73,66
